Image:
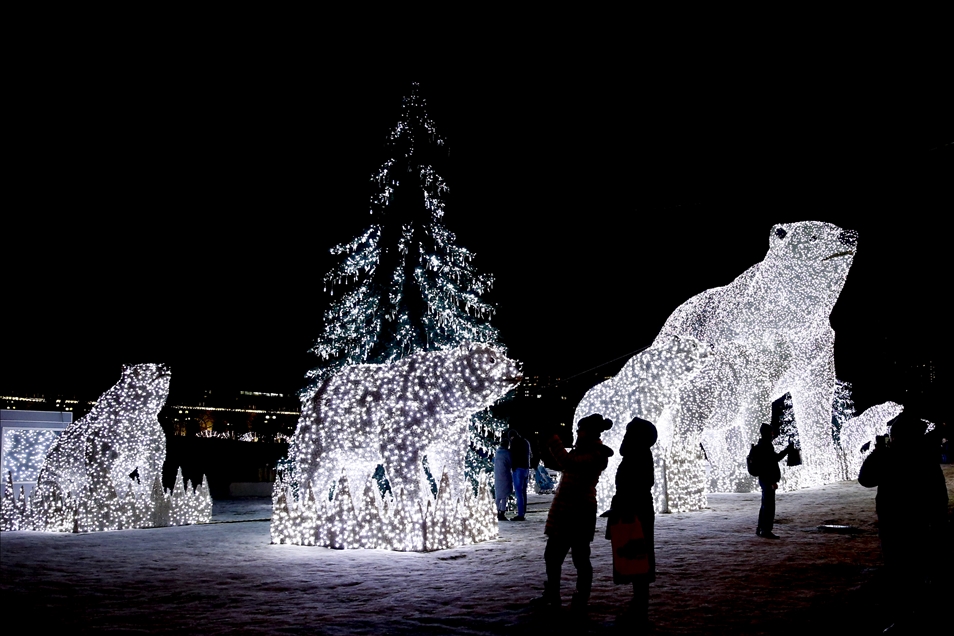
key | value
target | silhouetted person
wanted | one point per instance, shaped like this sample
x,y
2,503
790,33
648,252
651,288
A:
x,y
912,510
503,477
769,475
520,463
571,522
545,483
634,498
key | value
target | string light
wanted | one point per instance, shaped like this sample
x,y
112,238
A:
x,y
404,285
86,483
769,334
645,387
396,415
24,450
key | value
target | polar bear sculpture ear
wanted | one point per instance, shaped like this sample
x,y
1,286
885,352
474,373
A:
x,y
779,232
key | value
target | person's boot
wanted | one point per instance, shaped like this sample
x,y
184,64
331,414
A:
x,y
502,517
635,620
578,609
550,598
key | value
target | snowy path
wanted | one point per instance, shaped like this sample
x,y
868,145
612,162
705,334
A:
x,y
715,576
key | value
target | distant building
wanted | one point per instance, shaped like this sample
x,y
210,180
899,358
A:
x,y
41,402
232,414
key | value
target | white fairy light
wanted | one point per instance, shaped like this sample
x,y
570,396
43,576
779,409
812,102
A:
x,y
24,450
770,335
646,385
405,285
860,431
86,480
394,415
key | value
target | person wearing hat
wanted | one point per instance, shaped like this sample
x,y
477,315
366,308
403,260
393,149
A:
x,y
769,476
634,498
571,522
912,514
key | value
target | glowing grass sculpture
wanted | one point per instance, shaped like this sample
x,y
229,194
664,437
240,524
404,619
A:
x,y
770,335
105,471
394,415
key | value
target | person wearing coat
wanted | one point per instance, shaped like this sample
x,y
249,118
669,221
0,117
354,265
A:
x,y
503,477
911,505
769,476
520,462
571,522
634,498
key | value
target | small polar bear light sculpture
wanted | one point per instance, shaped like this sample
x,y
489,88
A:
x,y
644,387
105,471
770,334
393,415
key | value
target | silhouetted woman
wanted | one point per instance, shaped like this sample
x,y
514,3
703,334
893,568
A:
x,y
634,498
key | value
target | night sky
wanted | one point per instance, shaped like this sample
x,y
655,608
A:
x,y
188,220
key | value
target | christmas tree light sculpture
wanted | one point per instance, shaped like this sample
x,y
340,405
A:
x,y
404,285
393,414
86,480
770,335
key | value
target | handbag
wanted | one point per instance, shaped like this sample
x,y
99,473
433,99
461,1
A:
x,y
794,457
630,548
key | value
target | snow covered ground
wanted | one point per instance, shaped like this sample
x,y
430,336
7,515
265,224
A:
x,y
714,577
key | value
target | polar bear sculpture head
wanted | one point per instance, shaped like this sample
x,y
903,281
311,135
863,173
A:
x,y
142,391
812,241
483,374
811,259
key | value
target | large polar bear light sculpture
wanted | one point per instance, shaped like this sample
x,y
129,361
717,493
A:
x,y
105,471
770,334
394,415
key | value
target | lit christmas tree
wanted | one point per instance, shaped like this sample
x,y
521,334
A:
x,y
404,285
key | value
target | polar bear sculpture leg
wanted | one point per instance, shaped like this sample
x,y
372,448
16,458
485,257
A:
x,y
811,399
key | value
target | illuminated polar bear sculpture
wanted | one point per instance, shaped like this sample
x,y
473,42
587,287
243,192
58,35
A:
x,y
119,436
86,481
771,335
395,415
857,435
645,386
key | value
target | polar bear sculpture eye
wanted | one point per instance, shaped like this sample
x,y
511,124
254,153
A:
x,y
780,232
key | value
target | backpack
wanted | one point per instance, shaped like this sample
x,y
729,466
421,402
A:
x,y
752,462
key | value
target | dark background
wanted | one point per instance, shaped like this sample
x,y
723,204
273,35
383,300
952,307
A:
x,y
185,216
